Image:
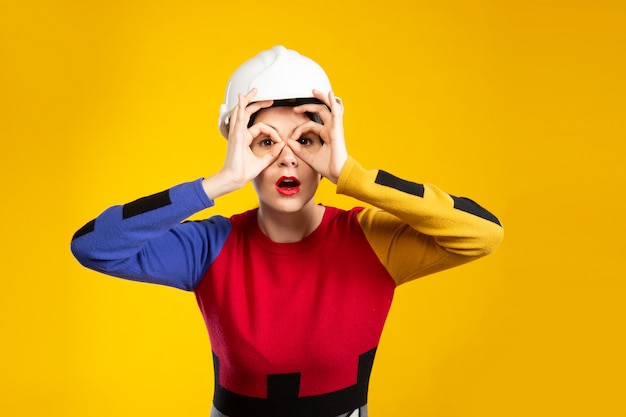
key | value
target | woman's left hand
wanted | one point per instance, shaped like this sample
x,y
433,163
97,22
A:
x,y
331,157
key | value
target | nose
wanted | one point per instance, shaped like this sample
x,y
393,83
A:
x,y
287,157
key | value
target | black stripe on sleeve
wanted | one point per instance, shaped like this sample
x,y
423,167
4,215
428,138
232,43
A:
x,y
471,207
386,179
146,204
88,228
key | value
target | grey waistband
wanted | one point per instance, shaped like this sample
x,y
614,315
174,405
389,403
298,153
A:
x,y
360,412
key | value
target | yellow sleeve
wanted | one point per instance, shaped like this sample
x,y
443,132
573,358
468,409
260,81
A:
x,y
417,229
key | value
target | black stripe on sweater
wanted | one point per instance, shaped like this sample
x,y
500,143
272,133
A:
x,y
88,228
388,180
146,204
471,207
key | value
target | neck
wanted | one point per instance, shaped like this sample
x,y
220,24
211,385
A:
x,y
284,227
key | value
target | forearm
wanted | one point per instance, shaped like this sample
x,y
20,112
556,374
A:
x,y
458,225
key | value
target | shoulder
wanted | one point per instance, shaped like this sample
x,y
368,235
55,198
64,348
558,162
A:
x,y
332,212
244,219
213,228
342,219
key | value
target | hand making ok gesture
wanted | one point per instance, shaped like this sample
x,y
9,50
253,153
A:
x,y
331,157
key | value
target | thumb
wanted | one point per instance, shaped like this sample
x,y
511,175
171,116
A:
x,y
302,153
269,157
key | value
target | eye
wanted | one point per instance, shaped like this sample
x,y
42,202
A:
x,y
266,142
306,141
262,145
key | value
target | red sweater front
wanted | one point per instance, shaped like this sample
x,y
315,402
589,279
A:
x,y
311,307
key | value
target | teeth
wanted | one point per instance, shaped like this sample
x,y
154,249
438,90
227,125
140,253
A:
x,y
288,183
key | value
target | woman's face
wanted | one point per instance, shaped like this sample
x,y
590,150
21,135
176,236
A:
x,y
289,183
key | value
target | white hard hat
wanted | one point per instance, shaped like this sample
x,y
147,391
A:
x,y
277,74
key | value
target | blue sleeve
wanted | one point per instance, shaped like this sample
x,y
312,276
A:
x,y
145,240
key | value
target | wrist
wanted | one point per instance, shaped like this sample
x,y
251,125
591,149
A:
x,y
336,172
219,184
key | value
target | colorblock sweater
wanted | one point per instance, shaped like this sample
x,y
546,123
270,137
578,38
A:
x,y
293,326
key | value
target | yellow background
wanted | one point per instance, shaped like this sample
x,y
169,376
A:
x,y
517,104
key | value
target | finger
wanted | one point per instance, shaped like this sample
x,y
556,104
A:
x,y
258,105
253,107
276,150
259,129
240,109
302,153
330,100
235,118
231,120
268,158
243,102
307,127
319,109
335,105
324,98
312,108
244,109
251,94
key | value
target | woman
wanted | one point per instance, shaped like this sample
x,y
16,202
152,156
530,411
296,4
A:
x,y
294,294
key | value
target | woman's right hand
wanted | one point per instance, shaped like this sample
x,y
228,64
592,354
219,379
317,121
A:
x,y
241,164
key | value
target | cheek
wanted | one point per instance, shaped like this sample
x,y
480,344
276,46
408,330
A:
x,y
310,173
312,176
259,182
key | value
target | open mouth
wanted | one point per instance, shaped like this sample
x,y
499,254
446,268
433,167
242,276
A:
x,y
287,185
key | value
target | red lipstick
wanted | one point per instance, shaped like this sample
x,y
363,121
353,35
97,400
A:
x,y
287,186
